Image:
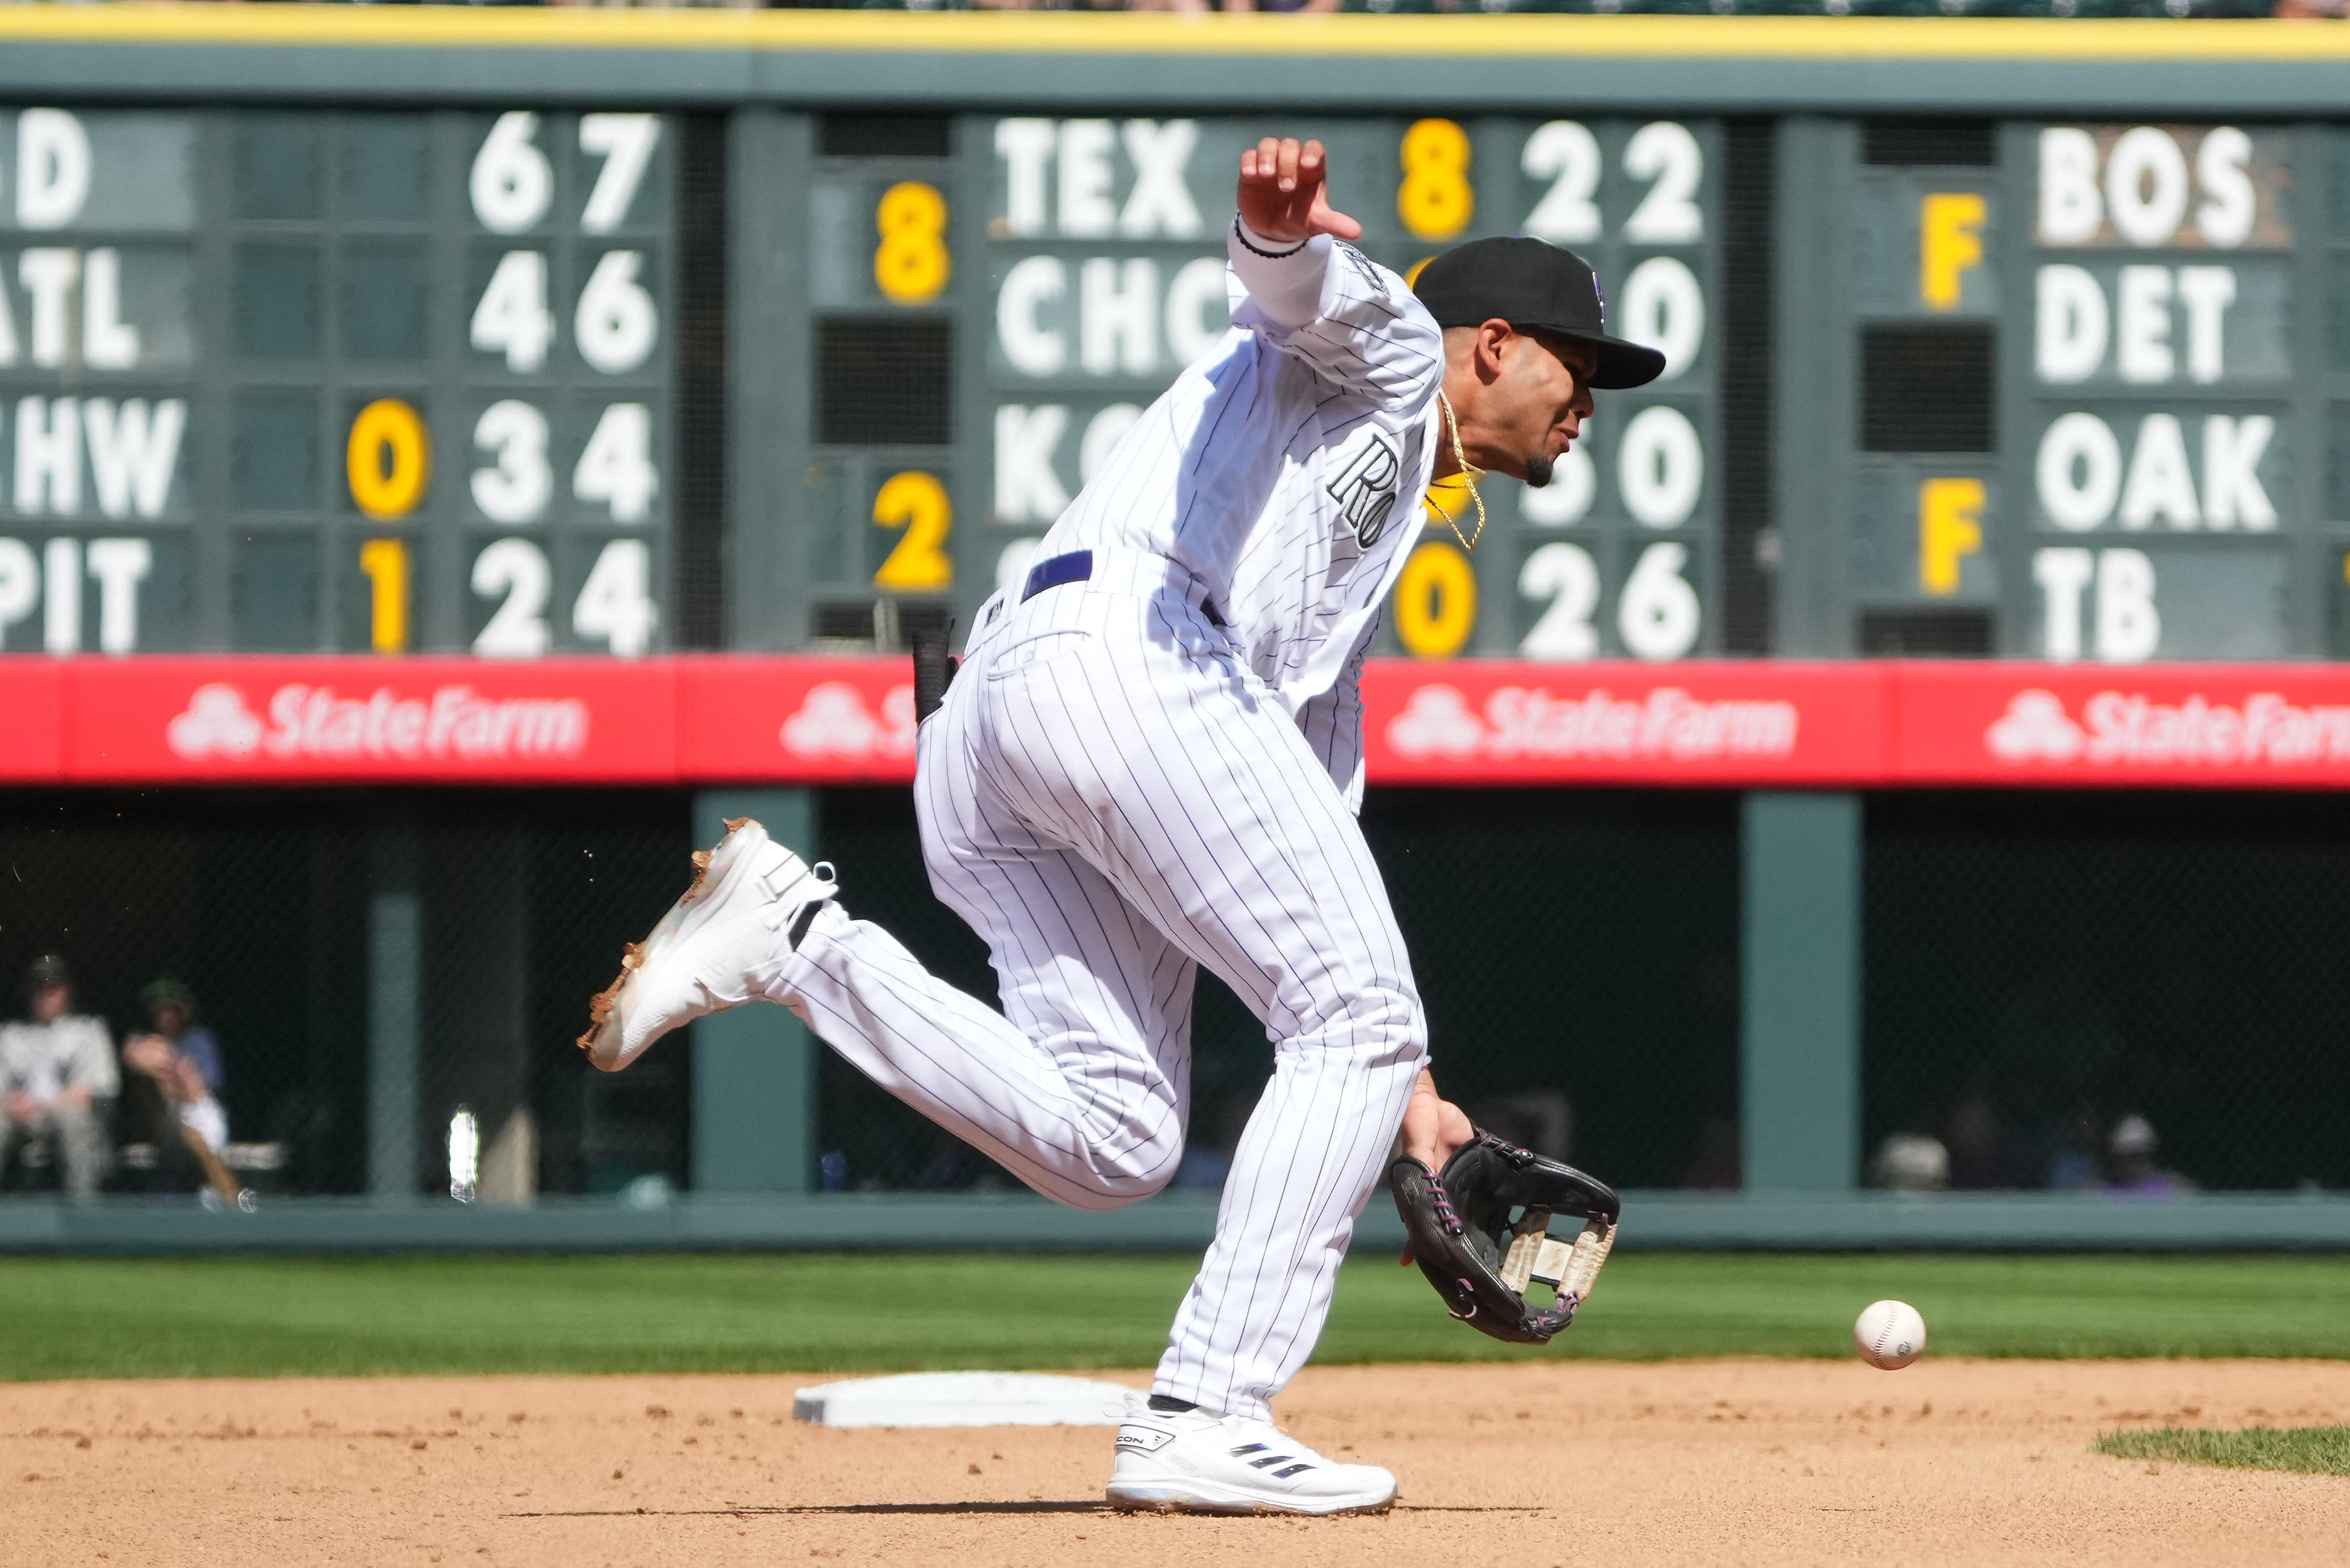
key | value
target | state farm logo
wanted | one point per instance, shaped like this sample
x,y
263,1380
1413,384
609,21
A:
x,y
1521,721
2034,729
216,725
834,721
314,721
2117,727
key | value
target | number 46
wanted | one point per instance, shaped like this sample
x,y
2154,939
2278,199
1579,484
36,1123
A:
x,y
615,604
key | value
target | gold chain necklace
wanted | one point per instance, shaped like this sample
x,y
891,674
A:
x,y
1469,474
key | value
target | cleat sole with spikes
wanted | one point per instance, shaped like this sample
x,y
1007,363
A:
x,y
748,880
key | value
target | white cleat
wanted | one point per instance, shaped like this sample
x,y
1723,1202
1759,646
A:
x,y
716,948
1193,1462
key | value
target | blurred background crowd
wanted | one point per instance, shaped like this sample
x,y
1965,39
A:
x,y
2059,8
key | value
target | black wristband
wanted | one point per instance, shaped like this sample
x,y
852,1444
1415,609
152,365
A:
x,y
1240,233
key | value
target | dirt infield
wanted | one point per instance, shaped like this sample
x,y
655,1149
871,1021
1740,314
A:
x,y
1723,1461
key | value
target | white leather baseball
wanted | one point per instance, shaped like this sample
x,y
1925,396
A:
x,y
1890,1336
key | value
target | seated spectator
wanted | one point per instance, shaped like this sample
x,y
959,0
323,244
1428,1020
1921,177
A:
x,y
178,1064
55,1070
1981,1157
2073,1167
1714,1163
1911,1162
2130,1167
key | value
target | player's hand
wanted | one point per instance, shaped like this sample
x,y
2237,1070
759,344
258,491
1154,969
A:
x,y
1284,192
1433,1127
148,1053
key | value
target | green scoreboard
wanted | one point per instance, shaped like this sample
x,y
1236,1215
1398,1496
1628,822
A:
x,y
523,382
2072,389
978,306
316,381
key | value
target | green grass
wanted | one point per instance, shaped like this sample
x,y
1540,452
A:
x,y
2313,1450
271,1316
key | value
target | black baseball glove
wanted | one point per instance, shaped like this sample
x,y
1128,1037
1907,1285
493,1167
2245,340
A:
x,y
1479,1258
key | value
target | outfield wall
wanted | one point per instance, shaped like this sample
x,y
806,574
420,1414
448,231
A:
x,y
462,455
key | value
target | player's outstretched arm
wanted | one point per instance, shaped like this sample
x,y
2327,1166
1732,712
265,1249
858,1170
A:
x,y
1355,325
1284,193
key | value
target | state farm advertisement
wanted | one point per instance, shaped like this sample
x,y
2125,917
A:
x,y
2197,726
314,720
787,720
1474,721
797,720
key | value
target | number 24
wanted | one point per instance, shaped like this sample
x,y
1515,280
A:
x,y
615,603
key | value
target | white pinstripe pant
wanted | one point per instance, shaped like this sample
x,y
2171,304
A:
x,y
1110,798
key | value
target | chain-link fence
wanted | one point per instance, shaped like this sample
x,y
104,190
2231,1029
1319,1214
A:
x,y
2135,992
260,909
1577,952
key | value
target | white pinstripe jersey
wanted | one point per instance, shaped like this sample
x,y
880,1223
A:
x,y
1285,470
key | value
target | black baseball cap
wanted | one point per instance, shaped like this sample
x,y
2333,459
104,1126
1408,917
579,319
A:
x,y
1533,286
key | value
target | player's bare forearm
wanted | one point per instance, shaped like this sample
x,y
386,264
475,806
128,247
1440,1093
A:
x,y
1433,1127
1284,194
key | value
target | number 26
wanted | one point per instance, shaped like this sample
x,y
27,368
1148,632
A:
x,y
1657,614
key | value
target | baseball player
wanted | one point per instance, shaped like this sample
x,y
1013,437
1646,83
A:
x,y
1151,761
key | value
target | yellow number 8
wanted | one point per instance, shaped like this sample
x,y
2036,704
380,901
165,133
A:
x,y
913,265
1436,201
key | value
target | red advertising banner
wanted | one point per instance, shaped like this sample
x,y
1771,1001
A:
x,y
2211,726
1479,721
200,721
789,720
32,721
796,720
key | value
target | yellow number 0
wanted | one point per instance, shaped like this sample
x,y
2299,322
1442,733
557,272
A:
x,y
917,503
388,459
913,265
1435,602
1435,200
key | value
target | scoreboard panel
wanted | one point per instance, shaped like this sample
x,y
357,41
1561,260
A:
x,y
2155,456
323,380
991,301
288,380
2074,392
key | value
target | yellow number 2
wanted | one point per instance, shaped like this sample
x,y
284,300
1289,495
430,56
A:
x,y
917,503
913,265
1435,202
